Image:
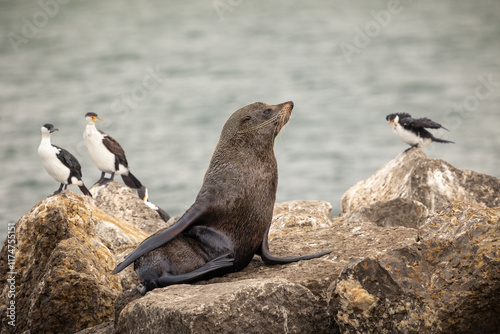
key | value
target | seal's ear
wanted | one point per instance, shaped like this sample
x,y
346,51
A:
x,y
245,119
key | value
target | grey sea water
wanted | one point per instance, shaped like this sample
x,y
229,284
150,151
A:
x,y
166,75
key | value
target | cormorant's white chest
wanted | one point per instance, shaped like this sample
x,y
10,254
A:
x,y
409,137
51,163
100,155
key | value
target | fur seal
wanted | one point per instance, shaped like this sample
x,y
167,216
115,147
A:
x,y
230,219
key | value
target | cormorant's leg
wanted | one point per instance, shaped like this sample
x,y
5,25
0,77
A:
x,y
65,187
266,256
412,146
112,177
58,190
219,262
102,178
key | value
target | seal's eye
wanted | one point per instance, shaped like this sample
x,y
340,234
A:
x,y
267,111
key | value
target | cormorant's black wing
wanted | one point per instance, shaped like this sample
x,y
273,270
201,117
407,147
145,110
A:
x,y
424,123
159,239
114,147
68,160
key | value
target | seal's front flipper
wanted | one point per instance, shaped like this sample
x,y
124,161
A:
x,y
219,262
159,239
265,254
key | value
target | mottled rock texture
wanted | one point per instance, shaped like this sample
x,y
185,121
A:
x,y
415,250
346,239
432,182
121,202
63,278
249,306
449,282
397,212
65,252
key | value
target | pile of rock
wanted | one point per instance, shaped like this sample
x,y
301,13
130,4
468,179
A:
x,y
415,250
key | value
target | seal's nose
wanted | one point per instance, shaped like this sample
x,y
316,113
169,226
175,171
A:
x,y
290,103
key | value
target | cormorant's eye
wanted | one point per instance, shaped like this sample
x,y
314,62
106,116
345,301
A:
x,y
267,111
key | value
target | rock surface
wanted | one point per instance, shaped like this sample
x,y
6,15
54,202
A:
x,y
299,215
407,257
62,269
249,306
65,252
449,282
397,212
120,201
432,182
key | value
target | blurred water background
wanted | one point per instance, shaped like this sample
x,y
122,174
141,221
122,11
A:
x,y
165,76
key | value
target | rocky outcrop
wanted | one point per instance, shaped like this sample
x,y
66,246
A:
x,y
415,250
432,182
64,254
120,201
271,305
321,232
62,269
449,282
397,212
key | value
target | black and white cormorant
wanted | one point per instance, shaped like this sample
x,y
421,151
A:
x,y
59,163
107,153
412,130
143,194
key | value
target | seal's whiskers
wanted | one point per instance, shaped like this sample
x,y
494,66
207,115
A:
x,y
261,125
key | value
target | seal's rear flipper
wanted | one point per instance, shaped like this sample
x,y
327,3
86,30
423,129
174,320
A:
x,y
219,262
266,256
159,239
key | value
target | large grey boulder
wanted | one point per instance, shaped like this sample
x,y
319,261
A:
x,y
65,250
432,182
121,202
397,212
449,282
311,230
249,306
62,269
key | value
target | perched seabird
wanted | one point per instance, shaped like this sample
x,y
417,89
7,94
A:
x,y
59,163
143,194
107,153
412,130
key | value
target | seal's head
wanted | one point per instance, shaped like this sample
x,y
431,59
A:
x,y
258,121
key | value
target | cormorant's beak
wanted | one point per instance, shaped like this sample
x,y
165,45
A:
x,y
53,130
391,122
96,119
